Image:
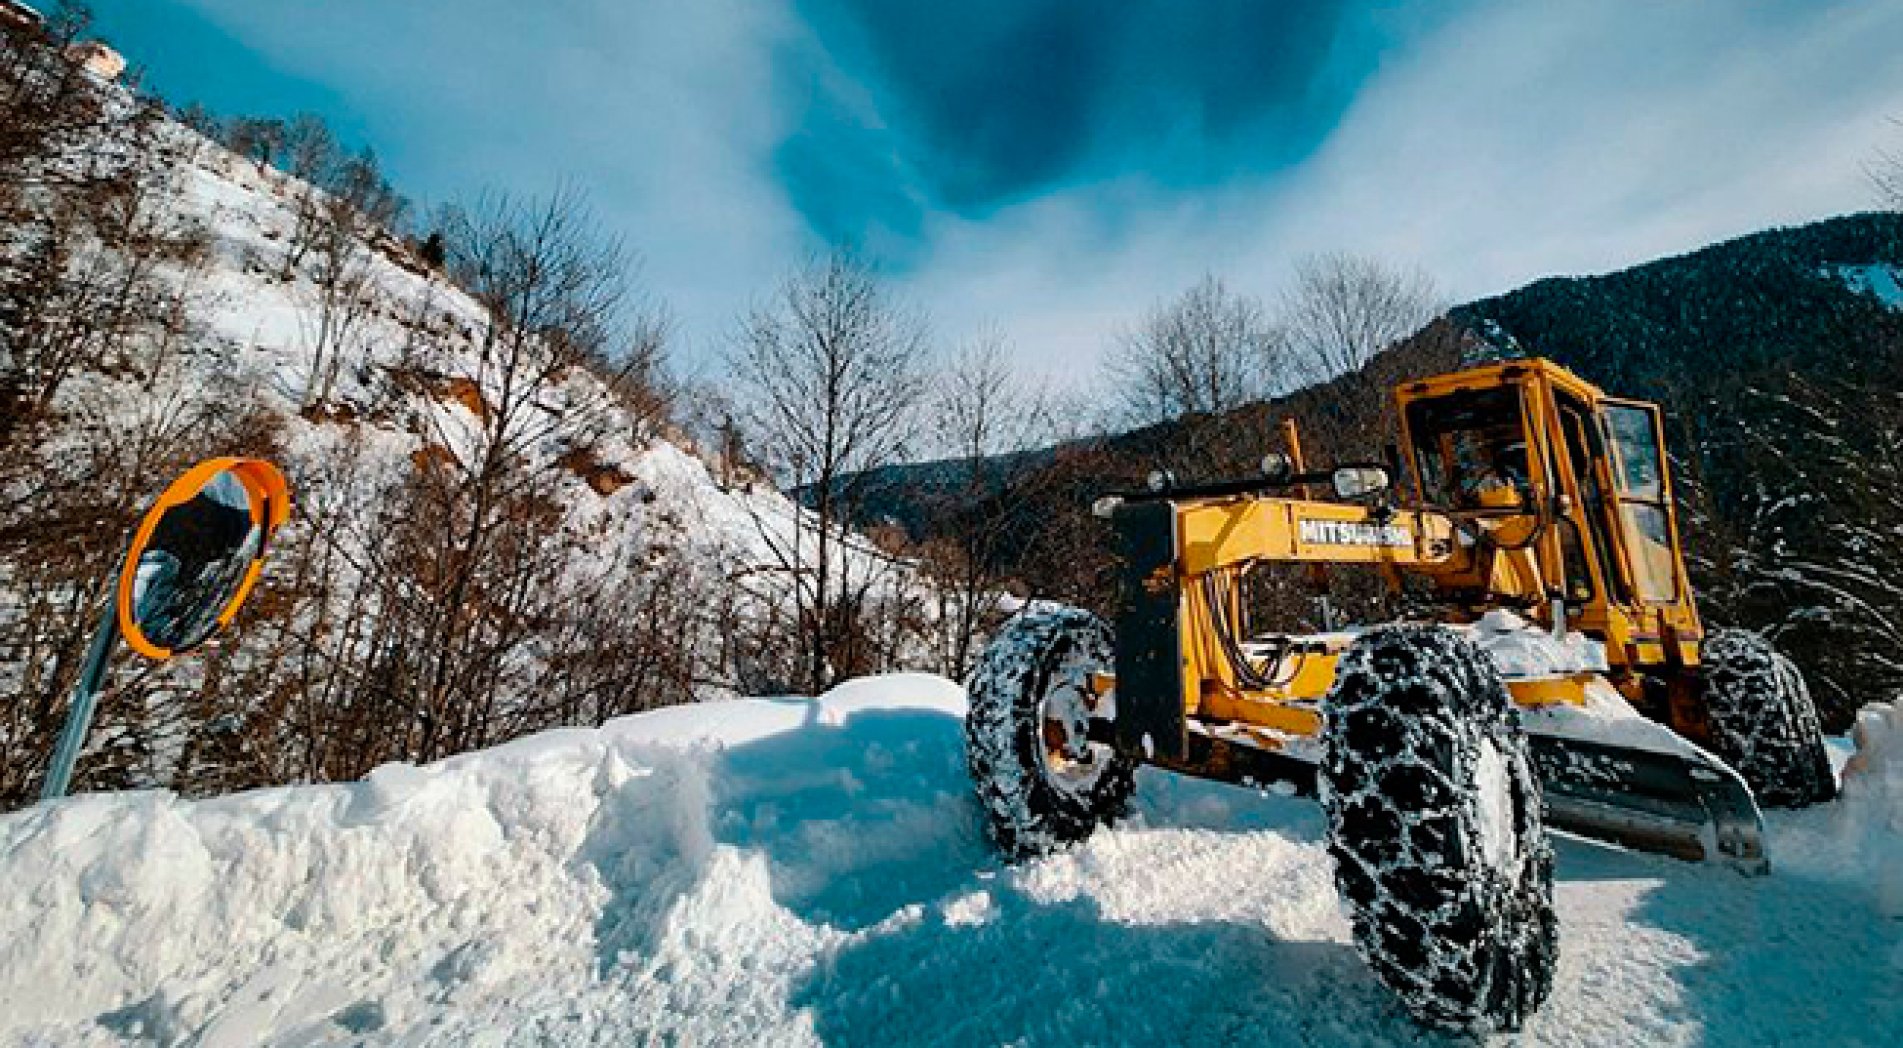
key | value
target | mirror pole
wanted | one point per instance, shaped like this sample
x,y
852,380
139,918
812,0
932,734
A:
x,y
59,775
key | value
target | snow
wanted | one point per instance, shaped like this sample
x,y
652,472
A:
x,y
1880,279
1873,801
1523,651
1606,717
1493,789
799,871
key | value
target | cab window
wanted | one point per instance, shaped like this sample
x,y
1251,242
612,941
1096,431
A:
x,y
1639,469
1470,448
1583,449
1635,435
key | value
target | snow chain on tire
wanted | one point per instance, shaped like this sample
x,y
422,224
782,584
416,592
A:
x,y
1434,824
1029,810
1763,721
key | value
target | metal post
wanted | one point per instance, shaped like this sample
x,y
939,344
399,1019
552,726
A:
x,y
1317,573
59,776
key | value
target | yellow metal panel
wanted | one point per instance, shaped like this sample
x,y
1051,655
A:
x,y
1647,652
1314,675
1550,691
1218,535
1262,713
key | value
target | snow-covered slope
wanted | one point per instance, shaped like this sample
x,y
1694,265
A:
x,y
541,465
795,871
1879,279
261,328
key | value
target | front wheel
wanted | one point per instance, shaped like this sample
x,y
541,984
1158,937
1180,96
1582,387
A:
x,y
1042,782
1763,721
1434,824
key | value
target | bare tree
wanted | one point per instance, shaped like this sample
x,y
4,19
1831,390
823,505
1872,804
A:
x,y
997,429
1344,309
80,169
473,560
827,379
65,304
1188,371
308,152
335,196
553,289
259,139
1886,175
341,301
1207,351
339,219
52,112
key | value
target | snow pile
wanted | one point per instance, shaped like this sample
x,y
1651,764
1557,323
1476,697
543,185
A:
x,y
1523,651
799,872
1871,812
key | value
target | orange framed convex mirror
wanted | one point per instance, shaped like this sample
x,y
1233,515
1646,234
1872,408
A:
x,y
197,554
193,561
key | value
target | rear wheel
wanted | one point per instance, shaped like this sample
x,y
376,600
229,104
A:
x,y
1042,782
1434,824
1763,721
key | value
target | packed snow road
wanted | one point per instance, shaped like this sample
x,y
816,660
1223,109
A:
x,y
787,872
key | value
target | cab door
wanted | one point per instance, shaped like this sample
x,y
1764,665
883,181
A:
x,y
1643,490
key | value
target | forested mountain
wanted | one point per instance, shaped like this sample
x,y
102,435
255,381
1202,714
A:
x,y
1779,300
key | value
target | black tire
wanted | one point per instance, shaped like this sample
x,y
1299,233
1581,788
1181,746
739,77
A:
x,y
1763,721
1036,798
1434,824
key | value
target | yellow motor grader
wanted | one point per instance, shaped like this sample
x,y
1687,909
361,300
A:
x,y
1562,677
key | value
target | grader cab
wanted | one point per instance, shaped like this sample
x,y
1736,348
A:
x,y
1560,676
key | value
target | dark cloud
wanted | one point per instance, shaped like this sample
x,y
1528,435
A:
x,y
984,102
848,182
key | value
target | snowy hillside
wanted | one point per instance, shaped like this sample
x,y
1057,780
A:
x,y
262,329
1878,279
796,871
497,523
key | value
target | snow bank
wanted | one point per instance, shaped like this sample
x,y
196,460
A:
x,y
1871,812
341,911
800,871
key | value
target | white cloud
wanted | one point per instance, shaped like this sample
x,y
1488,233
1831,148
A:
x,y
1515,141
1520,141
662,112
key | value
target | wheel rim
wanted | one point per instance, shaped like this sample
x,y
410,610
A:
x,y
1072,763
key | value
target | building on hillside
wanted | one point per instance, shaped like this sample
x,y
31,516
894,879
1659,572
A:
x,y
17,15
96,58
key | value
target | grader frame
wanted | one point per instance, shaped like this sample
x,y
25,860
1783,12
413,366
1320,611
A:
x,y
1531,490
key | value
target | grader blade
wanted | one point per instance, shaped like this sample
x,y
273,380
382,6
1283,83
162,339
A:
x,y
1686,804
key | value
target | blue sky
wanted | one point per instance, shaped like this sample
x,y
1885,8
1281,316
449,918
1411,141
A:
x,y
1049,168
